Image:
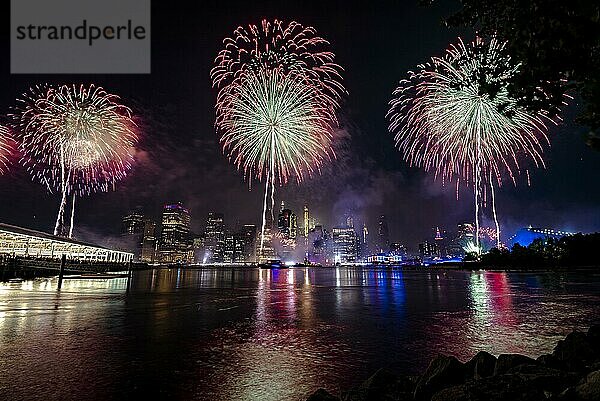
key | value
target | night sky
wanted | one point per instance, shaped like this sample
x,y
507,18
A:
x,y
376,43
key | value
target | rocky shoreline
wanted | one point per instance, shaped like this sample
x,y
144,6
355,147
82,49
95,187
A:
x,y
570,373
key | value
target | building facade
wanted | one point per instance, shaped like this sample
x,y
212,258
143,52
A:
x,y
214,238
344,245
23,242
175,243
132,231
149,242
383,236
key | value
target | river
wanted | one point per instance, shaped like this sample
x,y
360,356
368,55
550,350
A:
x,y
249,334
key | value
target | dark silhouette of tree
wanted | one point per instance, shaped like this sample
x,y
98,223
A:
x,y
580,250
558,44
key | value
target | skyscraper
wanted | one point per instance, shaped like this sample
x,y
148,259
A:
x,y
133,223
363,243
293,226
132,231
439,243
149,242
249,236
235,248
229,249
268,251
175,242
344,245
214,238
383,235
306,222
287,222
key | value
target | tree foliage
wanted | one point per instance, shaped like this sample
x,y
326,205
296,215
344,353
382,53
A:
x,y
574,250
558,44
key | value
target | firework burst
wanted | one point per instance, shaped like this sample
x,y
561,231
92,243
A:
x,y
293,48
274,126
74,140
279,91
454,116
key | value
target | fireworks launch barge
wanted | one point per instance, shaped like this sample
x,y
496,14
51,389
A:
x,y
29,253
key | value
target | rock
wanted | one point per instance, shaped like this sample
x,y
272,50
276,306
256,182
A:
x,y
442,372
575,351
383,385
544,378
496,388
480,366
322,395
549,361
593,337
506,362
566,395
456,393
589,388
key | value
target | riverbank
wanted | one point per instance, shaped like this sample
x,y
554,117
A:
x,y
474,266
570,373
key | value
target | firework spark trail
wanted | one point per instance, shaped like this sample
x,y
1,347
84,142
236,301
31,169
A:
x,y
494,214
74,139
6,148
279,91
454,116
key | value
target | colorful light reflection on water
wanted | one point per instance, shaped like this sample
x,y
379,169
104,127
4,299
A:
x,y
248,334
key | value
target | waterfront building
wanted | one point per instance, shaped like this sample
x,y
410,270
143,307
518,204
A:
x,y
133,223
440,247
363,243
234,248
132,231
344,245
383,236
148,253
427,250
23,242
229,248
287,230
214,238
306,222
249,241
397,248
268,251
382,259
175,243
287,223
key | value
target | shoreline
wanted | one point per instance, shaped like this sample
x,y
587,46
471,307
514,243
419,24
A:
x,y
25,271
570,373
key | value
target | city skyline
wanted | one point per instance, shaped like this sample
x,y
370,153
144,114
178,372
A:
x,y
169,240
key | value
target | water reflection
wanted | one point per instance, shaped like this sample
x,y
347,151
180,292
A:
x,y
249,334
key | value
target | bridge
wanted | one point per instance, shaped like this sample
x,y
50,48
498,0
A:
x,y
23,242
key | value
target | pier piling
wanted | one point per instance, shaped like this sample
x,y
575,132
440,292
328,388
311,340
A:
x,y
63,261
128,275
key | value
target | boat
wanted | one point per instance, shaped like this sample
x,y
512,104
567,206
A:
x,y
16,280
